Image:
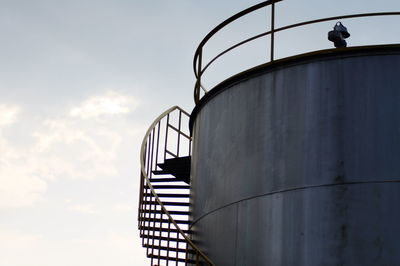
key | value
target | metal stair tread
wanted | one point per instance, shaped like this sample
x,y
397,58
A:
x,y
146,219
150,228
172,249
163,238
170,187
167,195
168,203
178,167
160,172
170,212
166,179
170,258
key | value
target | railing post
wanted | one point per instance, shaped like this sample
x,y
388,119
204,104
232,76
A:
x,y
177,248
166,138
190,146
199,73
158,144
159,238
141,189
168,241
179,133
272,30
150,173
147,163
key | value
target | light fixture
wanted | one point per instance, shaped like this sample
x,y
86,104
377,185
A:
x,y
338,35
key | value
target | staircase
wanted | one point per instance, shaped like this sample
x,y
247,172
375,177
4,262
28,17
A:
x,y
164,192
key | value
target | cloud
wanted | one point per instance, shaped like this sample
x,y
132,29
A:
x,y
83,208
8,114
14,239
111,103
22,248
124,207
76,149
114,249
81,148
18,188
20,184
68,146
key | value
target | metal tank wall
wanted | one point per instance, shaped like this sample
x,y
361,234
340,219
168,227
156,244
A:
x,y
300,164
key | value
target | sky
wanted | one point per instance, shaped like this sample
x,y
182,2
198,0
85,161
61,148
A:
x,y
80,82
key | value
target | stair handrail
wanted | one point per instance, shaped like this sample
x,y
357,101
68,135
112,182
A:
x,y
145,177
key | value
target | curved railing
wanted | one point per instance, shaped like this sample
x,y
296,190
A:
x,y
198,67
156,223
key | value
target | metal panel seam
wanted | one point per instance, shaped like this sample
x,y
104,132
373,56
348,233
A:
x,y
294,189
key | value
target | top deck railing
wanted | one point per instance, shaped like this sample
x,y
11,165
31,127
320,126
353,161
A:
x,y
199,66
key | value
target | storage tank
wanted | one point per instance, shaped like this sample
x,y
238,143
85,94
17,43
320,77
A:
x,y
297,162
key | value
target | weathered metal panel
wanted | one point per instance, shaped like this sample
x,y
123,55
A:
x,y
217,235
304,160
333,225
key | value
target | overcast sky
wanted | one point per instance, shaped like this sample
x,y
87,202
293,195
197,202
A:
x,y
80,82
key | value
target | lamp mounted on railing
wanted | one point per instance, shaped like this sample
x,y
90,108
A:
x,y
338,35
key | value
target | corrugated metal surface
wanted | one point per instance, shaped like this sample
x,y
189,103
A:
x,y
301,165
